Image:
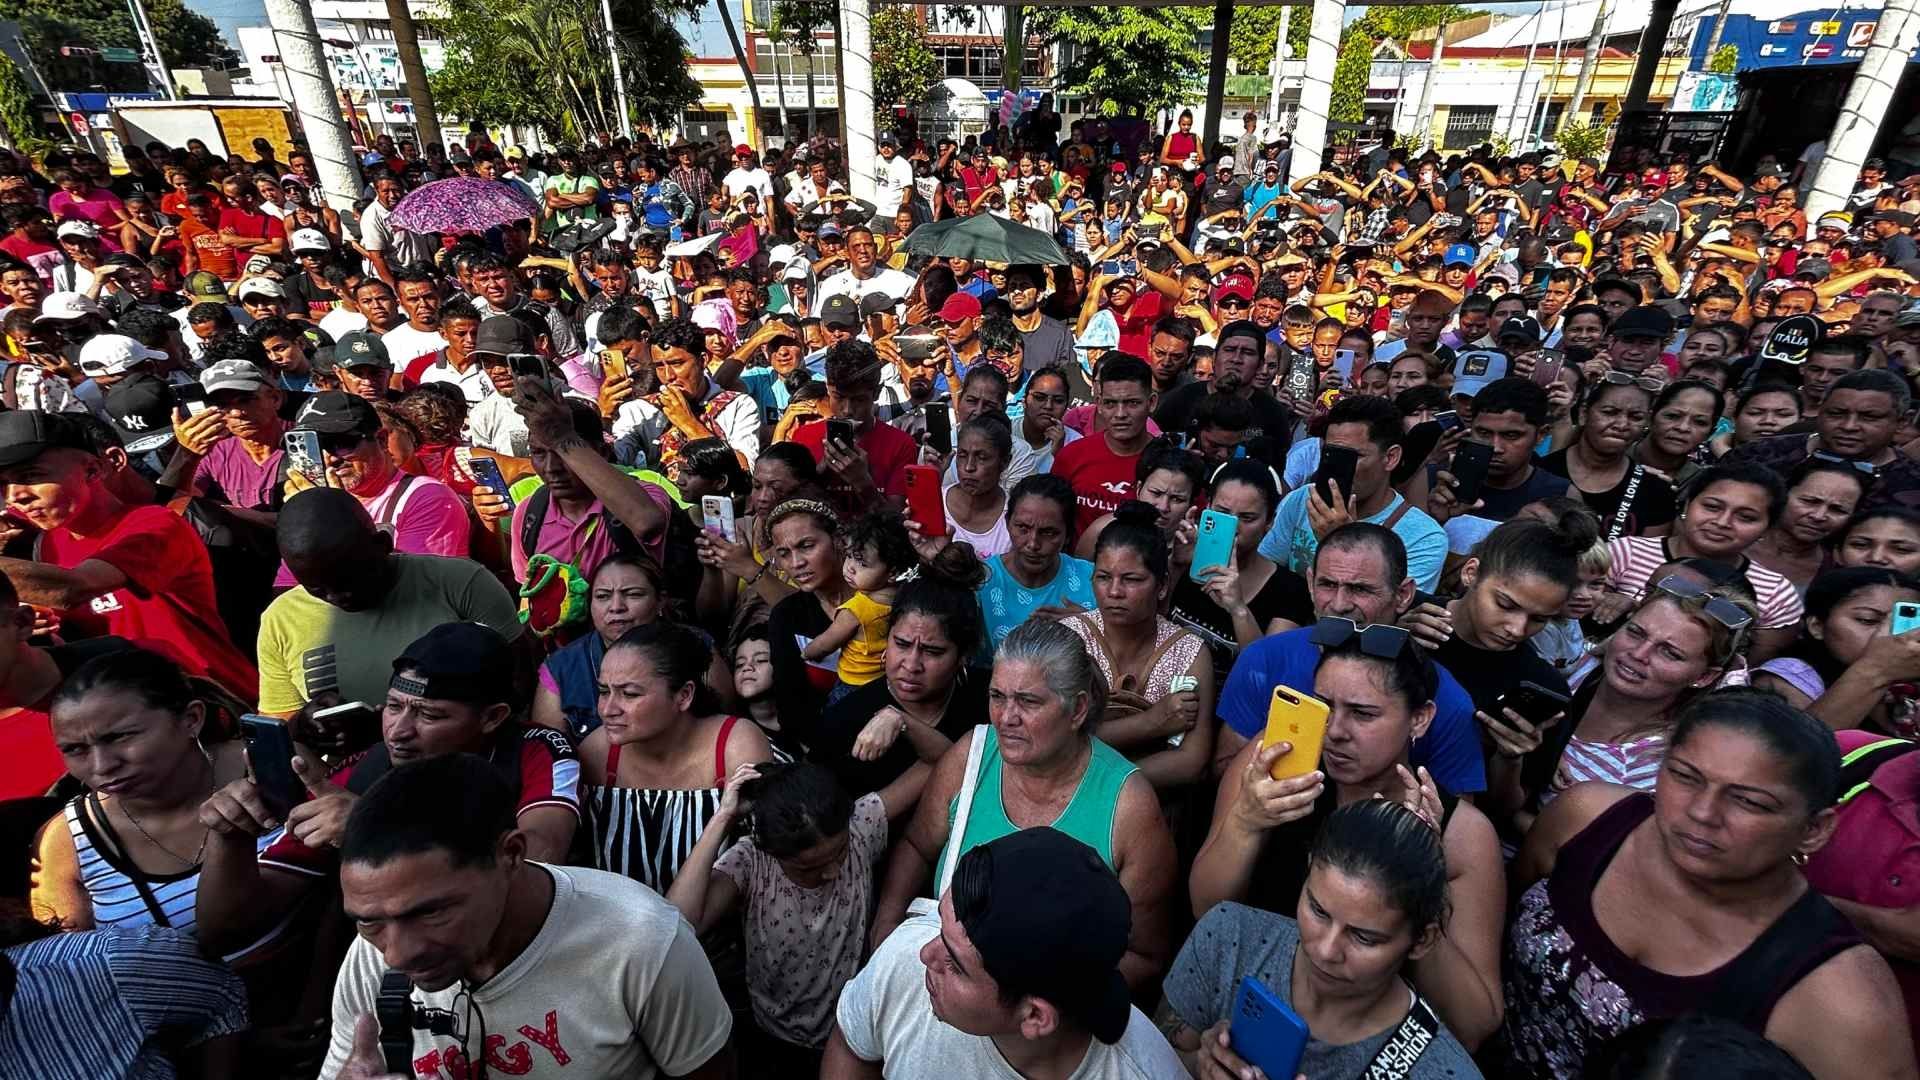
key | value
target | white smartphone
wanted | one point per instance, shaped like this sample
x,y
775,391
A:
x,y
1343,364
1180,684
717,512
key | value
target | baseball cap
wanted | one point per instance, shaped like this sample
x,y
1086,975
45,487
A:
x,y
1643,321
457,661
798,271
259,286
1462,255
1118,167
1226,162
232,375
1525,326
959,306
782,254
502,335
1812,269
888,138
830,229
1898,217
141,410
336,412
875,303
361,347
1237,285
1770,168
62,306
308,240
373,157
77,229
1654,178
1474,369
742,148
114,354
1835,219
1052,923
25,434
840,311
205,286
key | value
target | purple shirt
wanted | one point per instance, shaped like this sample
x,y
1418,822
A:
x,y
246,483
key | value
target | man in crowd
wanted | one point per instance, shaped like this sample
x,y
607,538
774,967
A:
x,y
1101,466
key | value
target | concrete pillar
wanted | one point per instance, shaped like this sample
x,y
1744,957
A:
x,y
1217,76
1646,61
425,121
1423,117
856,100
1589,59
1865,108
311,85
1279,64
1316,89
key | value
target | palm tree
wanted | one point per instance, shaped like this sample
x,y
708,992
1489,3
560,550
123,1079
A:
x,y
740,54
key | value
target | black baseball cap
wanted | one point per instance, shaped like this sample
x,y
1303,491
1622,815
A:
x,y
1053,923
359,349
141,409
502,335
25,434
457,661
1524,326
840,310
336,412
1643,321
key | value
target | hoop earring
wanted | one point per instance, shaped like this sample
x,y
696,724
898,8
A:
x,y
203,749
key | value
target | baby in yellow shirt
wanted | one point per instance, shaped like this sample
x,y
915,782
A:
x,y
879,556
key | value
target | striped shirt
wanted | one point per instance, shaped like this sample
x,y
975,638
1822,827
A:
x,y
1633,764
1637,558
93,1003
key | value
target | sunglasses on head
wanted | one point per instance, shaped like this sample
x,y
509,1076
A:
x,y
1731,616
1382,640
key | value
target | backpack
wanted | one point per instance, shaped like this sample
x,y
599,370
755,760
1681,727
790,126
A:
x,y
679,558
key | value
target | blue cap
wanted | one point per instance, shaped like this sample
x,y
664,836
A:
x,y
1462,254
372,158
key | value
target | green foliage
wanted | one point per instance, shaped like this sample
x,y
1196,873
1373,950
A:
x,y
1128,60
1399,23
800,20
1725,60
903,66
545,63
1582,140
1357,42
186,39
17,114
1350,75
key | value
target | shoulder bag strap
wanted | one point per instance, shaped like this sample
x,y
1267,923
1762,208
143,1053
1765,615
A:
x,y
10,387
1618,526
962,810
392,509
1403,1048
111,841
1394,518
720,752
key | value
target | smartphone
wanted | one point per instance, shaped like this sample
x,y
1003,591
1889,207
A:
x,y
1534,703
716,511
940,427
1300,376
840,431
1337,464
1906,616
1213,543
528,364
304,454
613,364
926,503
1111,267
486,472
1265,1031
189,396
1469,469
1547,365
270,760
916,346
1448,421
1343,364
1300,720
353,724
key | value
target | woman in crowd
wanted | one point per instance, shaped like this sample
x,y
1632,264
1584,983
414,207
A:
x,y
1846,647
626,592
1629,498
1887,536
1033,576
653,772
1563,641
1684,414
976,504
1170,480
1726,509
1249,596
1765,409
1379,687
1159,677
805,547
1640,906
1374,907
1039,764
1821,496
743,576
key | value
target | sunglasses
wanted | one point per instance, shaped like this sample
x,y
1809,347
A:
x,y
1731,616
1621,378
340,444
1382,640
1829,456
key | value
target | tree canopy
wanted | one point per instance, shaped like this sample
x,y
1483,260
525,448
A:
x,y
1128,60
903,67
187,39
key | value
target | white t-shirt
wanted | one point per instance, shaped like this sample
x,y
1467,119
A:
x,y
340,321
496,425
885,1015
896,284
405,345
474,384
614,984
891,179
740,181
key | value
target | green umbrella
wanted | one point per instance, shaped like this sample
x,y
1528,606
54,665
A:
x,y
986,238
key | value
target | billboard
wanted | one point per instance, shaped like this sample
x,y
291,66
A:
x,y
1823,36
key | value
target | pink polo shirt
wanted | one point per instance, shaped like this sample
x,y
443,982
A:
x,y
425,518
583,541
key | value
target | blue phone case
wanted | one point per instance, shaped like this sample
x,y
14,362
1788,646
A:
x,y
1266,1032
1213,542
1906,616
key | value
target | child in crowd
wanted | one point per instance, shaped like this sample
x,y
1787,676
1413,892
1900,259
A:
x,y
879,557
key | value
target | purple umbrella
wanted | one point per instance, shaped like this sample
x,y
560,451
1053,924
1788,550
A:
x,y
462,204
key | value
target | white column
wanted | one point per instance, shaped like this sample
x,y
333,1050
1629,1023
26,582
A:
x,y
1424,117
619,76
1279,64
856,100
315,101
1316,89
1865,108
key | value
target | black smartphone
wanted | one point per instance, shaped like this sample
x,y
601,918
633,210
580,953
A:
x,y
353,724
1448,421
1336,467
1534,703
487,472
270,759
528,364
1469,469
940,427
191,397
840,431
1301,377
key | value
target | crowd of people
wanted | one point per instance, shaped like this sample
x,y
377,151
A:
x,y
700,629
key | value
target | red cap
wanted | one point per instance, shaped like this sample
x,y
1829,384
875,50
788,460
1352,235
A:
x,y
1239,285
960,306
743,148
1654,178
1119,167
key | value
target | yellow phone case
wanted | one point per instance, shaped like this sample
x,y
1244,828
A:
x,y
1300,720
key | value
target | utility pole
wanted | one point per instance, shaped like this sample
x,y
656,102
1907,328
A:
x,y
1217,75
1588,60
1424,116
1646,60
314,100
855,43
1713,41
619,76
1546,99
426,122
1279,64
1526,69
1865,108
156,64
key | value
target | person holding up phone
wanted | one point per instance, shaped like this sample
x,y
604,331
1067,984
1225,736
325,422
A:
x,y
688,405
865,459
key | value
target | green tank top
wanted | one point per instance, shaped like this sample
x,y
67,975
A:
x,y
1088,817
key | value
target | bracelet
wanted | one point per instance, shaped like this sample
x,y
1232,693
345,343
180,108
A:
x,y
762,572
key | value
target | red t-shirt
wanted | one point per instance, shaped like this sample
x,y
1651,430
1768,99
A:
x,y
889,452
209,250
1136,326
259,223
29,762
168,595
1101,479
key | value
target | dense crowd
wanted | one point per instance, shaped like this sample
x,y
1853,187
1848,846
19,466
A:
x,y
712,626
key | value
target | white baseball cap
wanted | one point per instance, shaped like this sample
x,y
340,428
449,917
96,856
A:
x,y
67,305
308,240
114,354
78,229
259,286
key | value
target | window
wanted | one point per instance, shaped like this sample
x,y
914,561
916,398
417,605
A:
x,y
953,60
1470,125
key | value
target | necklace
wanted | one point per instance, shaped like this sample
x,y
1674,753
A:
x,y
213,778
